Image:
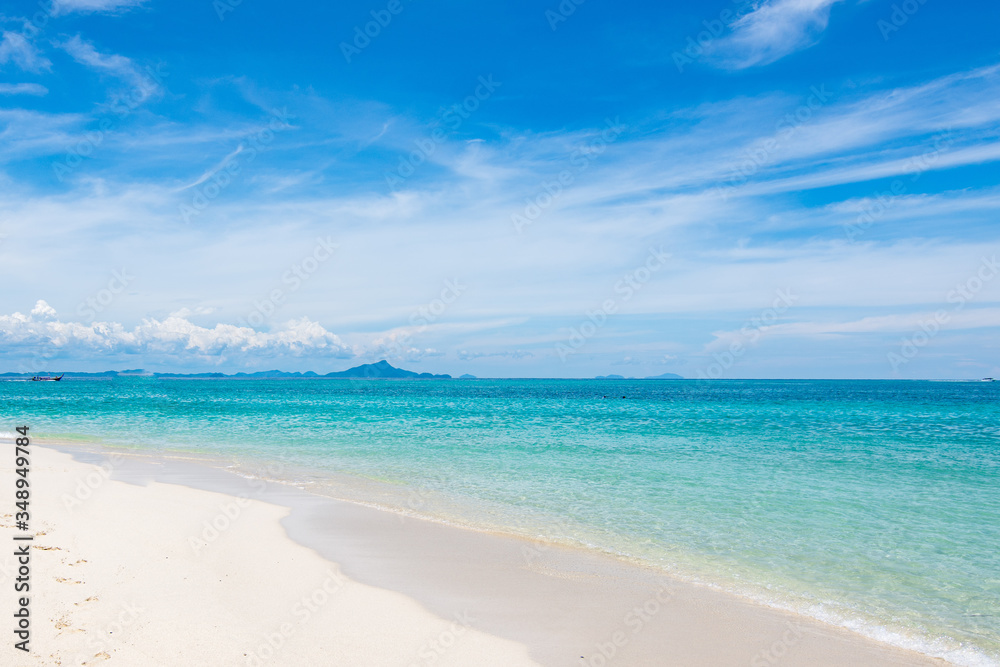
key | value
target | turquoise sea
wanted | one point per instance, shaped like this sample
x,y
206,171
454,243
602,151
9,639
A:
x,y
870,504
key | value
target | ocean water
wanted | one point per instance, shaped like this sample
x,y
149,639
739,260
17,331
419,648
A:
x,y
870,504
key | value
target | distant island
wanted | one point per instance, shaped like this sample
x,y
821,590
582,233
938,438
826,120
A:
x,y
379,370
383,369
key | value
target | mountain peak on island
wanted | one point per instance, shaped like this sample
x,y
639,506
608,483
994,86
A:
x,y
383,369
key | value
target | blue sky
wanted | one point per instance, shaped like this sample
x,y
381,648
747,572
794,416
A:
x,y
783,188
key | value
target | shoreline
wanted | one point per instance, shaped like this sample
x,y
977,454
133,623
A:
x,y
391,498
565,606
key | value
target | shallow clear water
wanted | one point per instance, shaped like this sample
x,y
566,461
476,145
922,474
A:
x,y
873,504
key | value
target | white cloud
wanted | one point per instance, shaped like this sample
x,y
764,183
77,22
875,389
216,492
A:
x,y
772,31
465,355
43,310
171,336
978,318
209,173
651,186
16,47
115,65
199,310
27,133
60,7
23,89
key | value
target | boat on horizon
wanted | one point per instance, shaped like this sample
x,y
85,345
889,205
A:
x,y
47,378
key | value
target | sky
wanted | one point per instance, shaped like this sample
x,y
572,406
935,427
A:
x,y
716,189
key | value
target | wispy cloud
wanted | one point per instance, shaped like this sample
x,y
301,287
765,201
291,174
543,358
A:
x,y
213,170
465,355
60,7
978,318
15,47
117,66
772,31
23,89
27,134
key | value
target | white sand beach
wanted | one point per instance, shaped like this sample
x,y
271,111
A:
x,y
167,562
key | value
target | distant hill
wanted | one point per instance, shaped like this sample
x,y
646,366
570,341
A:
x,y
467,377
383,369
666,376
610,377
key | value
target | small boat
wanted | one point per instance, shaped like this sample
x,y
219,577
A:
x,y
988,380
47,378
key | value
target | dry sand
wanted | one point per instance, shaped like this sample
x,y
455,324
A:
x,y
168,562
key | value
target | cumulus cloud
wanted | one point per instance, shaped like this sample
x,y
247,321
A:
x,y
41,330
43,310
772,31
